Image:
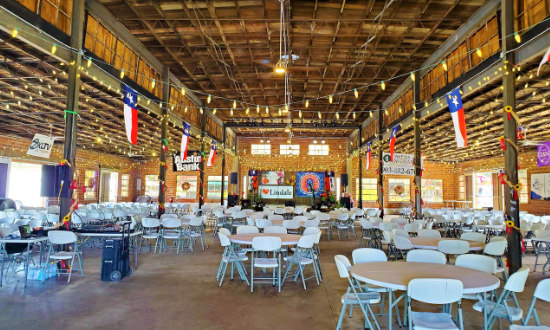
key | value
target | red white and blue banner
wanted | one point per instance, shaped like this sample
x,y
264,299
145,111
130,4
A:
x,y
185,140
252,179
368,160
454,100
212,155
130,114
392,140
306,180
329,181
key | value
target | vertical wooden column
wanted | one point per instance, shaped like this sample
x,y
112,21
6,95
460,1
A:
x,y
417,150
204,160
511,204
73,94
380,160
360,199
223,165
163,138
237,191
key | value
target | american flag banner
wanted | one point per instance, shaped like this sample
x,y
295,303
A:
x,y
130,114
392,140
212,155
185,140
454,100
367,165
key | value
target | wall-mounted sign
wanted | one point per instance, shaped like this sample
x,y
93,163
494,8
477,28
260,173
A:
x,y
540,186
277,192
403,164
273,177
543,154
41,146
192,163
306,180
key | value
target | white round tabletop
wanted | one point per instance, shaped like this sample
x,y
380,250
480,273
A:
x,y
397,275
286,239
430,243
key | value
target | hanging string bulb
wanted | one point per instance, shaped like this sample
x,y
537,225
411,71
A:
x,y
307,104
14,32
214,111
153,83
200,109
182,91
286,107
209,99
247,110
319,113
444,65
356,93
300,113
280,111
122,73
370,114
517,37
257,109
330,99
267,109
89,62
337,115
54,48
413,77
234,104
478,52
383,85
353,115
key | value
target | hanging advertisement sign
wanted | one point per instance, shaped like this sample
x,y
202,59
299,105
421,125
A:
x,y
273,177
192,163
306,180
277,192
543,154
403,164
540,186
41,146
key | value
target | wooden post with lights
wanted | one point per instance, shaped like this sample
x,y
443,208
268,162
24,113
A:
x,y
381,160
223,165
417,105
73,94
203,158
163,139
360,199
511,197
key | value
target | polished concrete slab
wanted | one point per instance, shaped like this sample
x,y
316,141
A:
x,y
170,291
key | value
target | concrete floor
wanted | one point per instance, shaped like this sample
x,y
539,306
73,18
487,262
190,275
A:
x,y
172,291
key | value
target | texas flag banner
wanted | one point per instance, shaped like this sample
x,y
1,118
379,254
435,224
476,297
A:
x,y
392,140
545,59
252,179
454,100
368,156
212,155
185,140
130,113
327,181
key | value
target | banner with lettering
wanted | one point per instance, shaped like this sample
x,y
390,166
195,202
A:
x,y
306,180
277,192
192,163
41,146
402,164
543,154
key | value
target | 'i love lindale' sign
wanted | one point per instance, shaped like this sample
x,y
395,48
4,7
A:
x,y
277,192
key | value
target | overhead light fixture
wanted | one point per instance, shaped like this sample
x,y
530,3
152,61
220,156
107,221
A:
x,y
262,141
315,141
323,141
268,141
280,67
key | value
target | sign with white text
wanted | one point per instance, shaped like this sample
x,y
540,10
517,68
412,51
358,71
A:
x,y
41,146
277,192
192,163
403,164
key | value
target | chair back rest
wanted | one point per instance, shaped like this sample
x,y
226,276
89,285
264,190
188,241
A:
x,y
275,230
366,224
168,216
542,291
399,232
402,243
61,236
342,216
292,224
426,256
343,265
453,246
399,221
479,262
224,231
35,223
323,216
495,248
311,231
473,236
247,230
385,226
239,214
306,241
224,240
266,243
387,236
516,281
300,218
262,223
276,217
171,223
412,227
429,233
437,291
196,221
366,255
311,223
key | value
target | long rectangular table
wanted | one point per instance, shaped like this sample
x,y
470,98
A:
x,y
27,241
115,235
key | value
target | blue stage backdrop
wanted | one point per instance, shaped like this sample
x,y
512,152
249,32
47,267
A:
x,y
302,183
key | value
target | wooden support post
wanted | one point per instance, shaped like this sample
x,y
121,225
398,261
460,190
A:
x,y
73,94
360,199
380,160
204,158
417,150
223,165
511,198
163,137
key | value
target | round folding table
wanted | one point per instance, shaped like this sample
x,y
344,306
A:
x,y
286,239
430,243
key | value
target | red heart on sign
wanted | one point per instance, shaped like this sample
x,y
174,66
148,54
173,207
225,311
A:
x,y
265,191
265,180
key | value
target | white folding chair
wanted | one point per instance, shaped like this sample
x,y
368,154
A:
x,y
229,256
63,237
402,245
247,230
429,233
453,247
435,291
542,292
275,230
303,256
266,244
150,231
473,237
426,256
